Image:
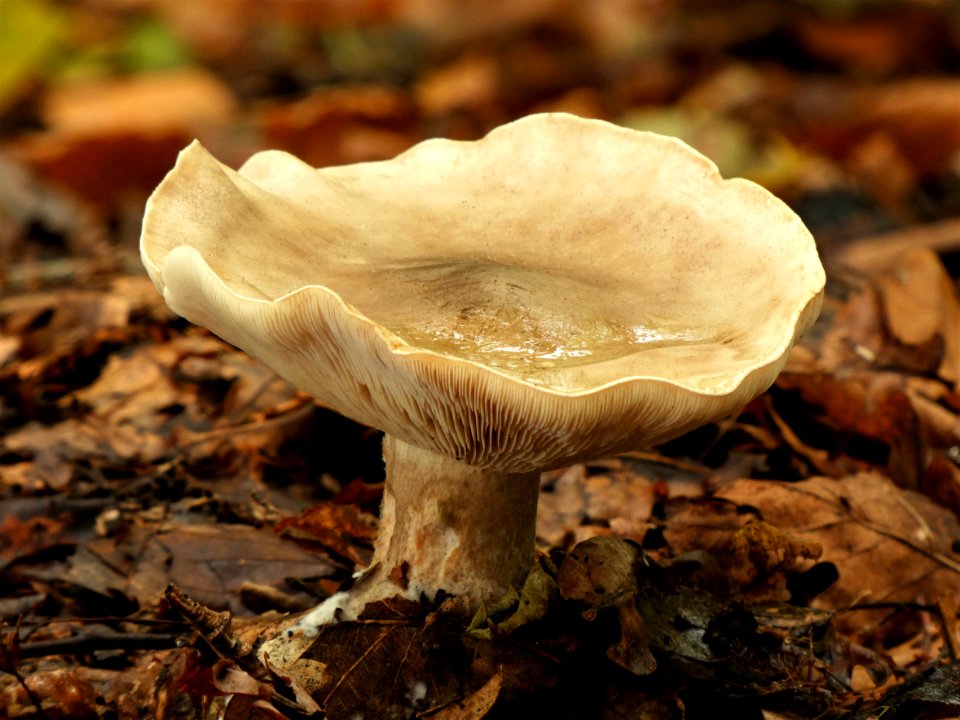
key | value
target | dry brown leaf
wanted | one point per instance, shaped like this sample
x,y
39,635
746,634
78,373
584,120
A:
x,y
23,537
82,692
875,405
920,301
941,480
562,505
878,164
110,141
875,253
920,117
575,505
700,523
208,562
622,498
475,706
62,693
131,388
142,403
851,335
456,22
340,125
293,686
941,425
188,99
53,451
758,555
874,47
817,457
337,528
425,658
587,102
225,31
107,172
921,114
54,323
231,680
888,544
471,82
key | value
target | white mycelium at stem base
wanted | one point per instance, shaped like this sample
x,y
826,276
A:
x,y
444,525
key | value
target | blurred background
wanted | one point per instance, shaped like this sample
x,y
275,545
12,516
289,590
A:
x,y
849,109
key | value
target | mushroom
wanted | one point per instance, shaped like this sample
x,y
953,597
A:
x,y
558,290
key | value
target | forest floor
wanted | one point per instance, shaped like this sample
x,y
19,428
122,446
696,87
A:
x,y
798,560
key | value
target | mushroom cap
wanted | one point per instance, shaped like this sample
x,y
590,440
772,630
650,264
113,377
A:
x,y
559,289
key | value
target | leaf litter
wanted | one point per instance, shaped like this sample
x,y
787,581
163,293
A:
x,y
166,501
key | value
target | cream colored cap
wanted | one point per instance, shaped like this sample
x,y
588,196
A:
x,y
560,289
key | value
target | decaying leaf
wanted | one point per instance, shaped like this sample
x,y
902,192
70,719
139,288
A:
x,y
599,572
61,693
690,614
580,502
516,609
757,557
206,561
340,125
932,695
921,304
888,544
476,706
337,528
109,140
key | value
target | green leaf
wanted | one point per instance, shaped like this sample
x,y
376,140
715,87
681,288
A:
x,y
29,31
150,45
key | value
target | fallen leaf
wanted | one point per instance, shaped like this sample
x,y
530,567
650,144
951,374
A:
x,y
517,609
878,252
758,556
576,504
341,125
475,706
189,100
932,694
599,572
702,523
889,545
111,141
22,537
562,504
865,45
872,404
337,528
921,302
209,563
471,82
62,693
623,498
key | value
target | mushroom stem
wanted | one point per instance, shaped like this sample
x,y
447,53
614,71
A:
x,y
445,525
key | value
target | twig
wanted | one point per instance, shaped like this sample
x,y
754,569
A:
x,y
653,457
878,251
10,653
92,642
256,426
890,605
215,627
